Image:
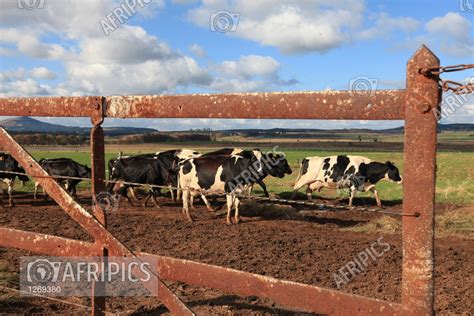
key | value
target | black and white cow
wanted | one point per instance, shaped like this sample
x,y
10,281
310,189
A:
x,y
239,151
9,164
144,169
64,167
353,172
169,159
229,175
258,153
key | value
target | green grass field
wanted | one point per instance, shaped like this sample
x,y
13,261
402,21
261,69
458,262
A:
x,y
454,177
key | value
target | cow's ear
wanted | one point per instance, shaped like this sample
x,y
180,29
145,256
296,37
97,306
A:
x,y
390,164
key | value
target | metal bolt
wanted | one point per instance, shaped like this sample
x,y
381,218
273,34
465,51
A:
x,y
424,108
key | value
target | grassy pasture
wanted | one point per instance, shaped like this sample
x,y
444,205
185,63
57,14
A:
x,y
454,177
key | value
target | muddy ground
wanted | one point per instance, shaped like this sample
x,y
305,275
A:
x,y
307,249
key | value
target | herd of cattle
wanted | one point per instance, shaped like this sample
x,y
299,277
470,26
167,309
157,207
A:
x,y
230,171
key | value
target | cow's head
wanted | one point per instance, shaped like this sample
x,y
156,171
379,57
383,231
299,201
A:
x,y
85,172
393,174
276,165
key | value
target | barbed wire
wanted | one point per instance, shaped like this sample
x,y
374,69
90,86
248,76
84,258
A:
x,y
320,206
449,85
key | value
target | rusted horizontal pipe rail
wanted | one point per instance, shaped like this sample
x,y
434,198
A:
x,y
50,106
291,294
383,105
380,105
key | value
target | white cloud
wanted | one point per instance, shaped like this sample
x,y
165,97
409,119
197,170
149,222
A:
x,y
42,73
30,45
385,24
150,77
453,33
127,61
291,25
248,73
248,66
11,75
128,45
24,87
300,26
198,50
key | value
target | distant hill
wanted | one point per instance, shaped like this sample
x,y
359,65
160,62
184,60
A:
x,y
397,130
29,125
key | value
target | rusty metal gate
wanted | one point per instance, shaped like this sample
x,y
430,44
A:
x,y
415,106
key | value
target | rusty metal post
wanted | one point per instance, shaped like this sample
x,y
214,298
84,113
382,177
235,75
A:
x,y
422,97
98,176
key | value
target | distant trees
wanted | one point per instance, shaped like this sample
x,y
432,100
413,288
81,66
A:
x,y
166,137
51,139
58,139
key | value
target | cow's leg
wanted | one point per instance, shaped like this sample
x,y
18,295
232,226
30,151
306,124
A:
x,y
264,187
132,193
179,193
296,187
129,199
315,186
155,202
186,195
309,193
208,205
36,190
11,183
230,202
236,204
173,197
1,196
376,194
146,199
73,190
352,194
191,201
66,187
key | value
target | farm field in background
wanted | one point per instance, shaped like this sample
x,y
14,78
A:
x,y
454,177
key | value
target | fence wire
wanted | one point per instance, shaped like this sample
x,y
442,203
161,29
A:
x,y
319,206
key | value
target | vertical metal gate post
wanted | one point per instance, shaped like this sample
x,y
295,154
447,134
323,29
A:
x,y
423,95
98,185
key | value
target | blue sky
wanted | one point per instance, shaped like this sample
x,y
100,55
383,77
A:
x,y
57,47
